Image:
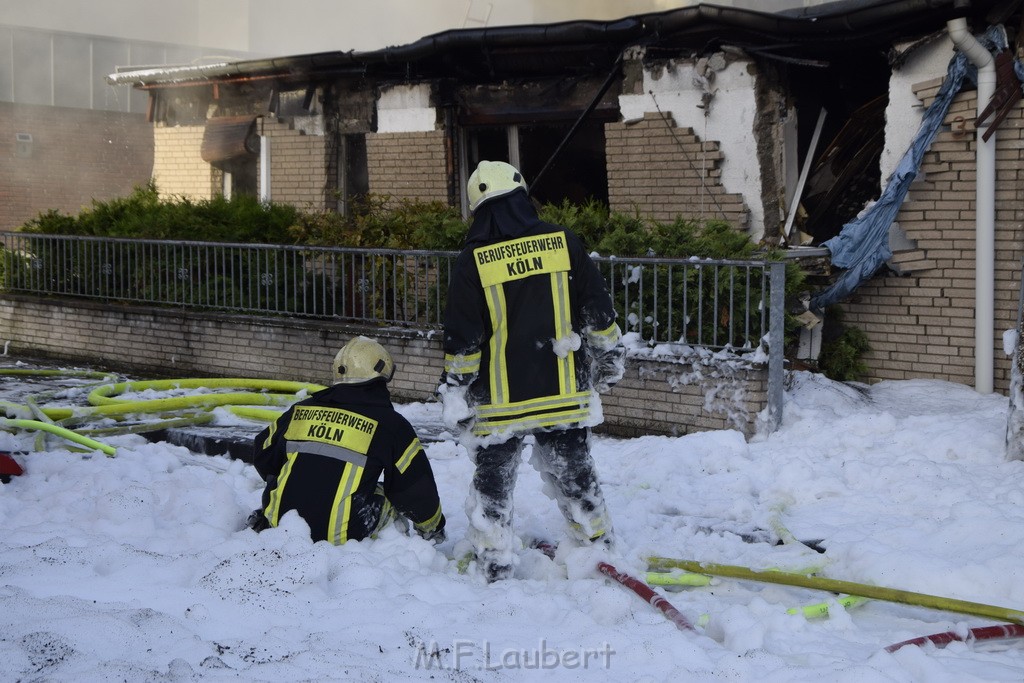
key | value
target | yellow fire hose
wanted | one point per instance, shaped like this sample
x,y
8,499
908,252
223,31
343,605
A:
x,y
106,402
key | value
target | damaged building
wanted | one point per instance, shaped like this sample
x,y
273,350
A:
x,y
785,125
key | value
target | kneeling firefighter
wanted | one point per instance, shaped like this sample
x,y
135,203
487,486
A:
x,y
325,457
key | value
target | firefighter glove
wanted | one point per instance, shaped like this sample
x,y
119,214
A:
x,y
609,368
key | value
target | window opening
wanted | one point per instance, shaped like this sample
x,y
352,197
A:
x,y
578,173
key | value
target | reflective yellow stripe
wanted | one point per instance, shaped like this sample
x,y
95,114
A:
x,y
548,411
598,528
462,364
342,509
605,339
387,513
579,399
563,328
273,511
522,424
328,451
410,453
431,523
270,435
499,341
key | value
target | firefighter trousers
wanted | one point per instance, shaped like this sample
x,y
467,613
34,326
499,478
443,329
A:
x,y
562,457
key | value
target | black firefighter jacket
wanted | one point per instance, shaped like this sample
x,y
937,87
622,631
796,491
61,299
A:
x,y
324,456
523,294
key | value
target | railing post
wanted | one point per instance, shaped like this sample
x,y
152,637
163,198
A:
x,y
776,341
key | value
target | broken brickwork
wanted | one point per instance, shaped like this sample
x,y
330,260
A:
x,y
919,314
664,172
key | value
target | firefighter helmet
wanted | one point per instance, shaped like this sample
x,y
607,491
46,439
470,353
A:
x,y
362,360
492,179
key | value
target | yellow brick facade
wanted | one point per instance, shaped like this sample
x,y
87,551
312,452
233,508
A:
x,y
300,170
922,325
408,165
178,167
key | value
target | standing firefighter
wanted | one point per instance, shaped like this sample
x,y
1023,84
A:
x,y
325,455
529,332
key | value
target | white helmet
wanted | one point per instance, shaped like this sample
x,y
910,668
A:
x,y
361,360
492,179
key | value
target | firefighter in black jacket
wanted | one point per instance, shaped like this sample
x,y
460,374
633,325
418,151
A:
x,y
325,455
529,332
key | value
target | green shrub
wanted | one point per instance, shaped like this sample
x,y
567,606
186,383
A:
x,y
842,349
375,221
591,221
144,215
621,234
381,221
696,321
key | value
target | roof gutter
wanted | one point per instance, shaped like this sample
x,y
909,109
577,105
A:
x,y
630,30
985,179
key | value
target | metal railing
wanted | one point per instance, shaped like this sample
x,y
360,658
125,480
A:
x,y
380,285
714,304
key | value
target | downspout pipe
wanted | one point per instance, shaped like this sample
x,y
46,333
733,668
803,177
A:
x,y
985,210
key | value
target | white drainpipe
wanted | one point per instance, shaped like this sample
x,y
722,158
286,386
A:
x,y
264,189
985,211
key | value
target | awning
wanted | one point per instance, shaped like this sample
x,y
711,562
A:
x,y
229,137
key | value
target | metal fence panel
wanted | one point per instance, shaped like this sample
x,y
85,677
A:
x,y
699,302
714,304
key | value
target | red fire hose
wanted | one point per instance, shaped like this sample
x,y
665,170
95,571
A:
x,y
996,632
648,594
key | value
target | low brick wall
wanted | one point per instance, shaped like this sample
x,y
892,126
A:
x,y
657,395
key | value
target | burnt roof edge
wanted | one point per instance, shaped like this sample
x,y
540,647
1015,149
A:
x,y
625,31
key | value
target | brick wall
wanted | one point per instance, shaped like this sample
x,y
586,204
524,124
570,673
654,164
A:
x,y
77,155
655,396
666,172
298,166
408,165
178,168
922,325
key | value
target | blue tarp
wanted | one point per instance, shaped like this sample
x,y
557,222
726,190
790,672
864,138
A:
x,y
862,246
